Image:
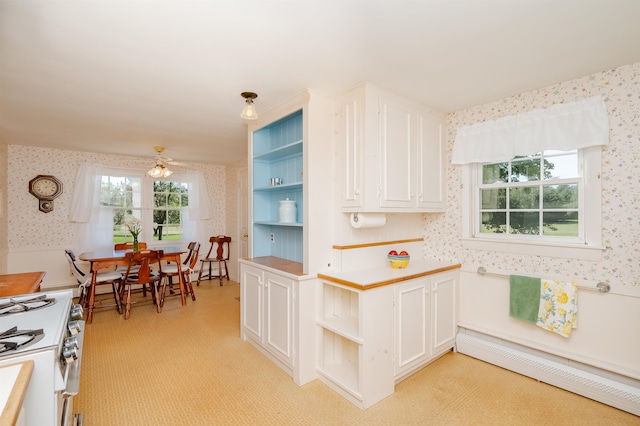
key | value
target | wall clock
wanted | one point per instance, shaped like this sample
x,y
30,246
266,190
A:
x,y
45,188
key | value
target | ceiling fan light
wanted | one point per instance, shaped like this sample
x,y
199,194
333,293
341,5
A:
x,y
249,111
159,170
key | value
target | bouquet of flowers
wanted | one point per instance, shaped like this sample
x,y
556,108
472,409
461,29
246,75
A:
x,y
134,227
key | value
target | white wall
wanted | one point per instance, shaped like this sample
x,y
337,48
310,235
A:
x,y
607,333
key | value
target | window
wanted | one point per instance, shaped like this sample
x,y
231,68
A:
x,y
543,204
535,195
128,196
168,200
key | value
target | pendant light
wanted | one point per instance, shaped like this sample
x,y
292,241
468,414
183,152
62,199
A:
x,y
249,111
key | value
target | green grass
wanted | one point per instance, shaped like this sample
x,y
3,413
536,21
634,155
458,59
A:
x,y
567,228
127,237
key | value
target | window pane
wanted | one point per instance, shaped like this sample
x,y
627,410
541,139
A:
x,y
494,198
524,223
524,171
493,222
562,166
524,197
169,198
563,224
495,173
160,200
174,200
560,196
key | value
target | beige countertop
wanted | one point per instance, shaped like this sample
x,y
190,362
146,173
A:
x,y
369,278
14,380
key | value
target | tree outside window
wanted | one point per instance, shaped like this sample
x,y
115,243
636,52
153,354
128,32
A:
x,y
125,195
532,195
168,200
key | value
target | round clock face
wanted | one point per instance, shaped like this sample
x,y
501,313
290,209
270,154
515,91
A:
x,y
45,187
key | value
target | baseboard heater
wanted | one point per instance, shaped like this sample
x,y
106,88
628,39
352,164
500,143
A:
x,y
603,386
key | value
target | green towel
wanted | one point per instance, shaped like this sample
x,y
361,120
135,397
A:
x,y
524,298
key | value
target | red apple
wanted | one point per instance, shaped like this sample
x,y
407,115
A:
x,y
404,253
393,253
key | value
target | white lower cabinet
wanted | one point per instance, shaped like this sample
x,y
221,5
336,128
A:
x,y
275,322
425,321
412,330
372,339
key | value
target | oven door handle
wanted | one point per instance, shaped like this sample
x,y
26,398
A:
x,y
73,369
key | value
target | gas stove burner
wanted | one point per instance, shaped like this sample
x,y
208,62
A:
x,y
15,306
14,339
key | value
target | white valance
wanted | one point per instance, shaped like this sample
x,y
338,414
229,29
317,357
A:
x,y
562,127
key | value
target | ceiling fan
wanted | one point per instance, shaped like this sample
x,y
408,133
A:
x,y
160,169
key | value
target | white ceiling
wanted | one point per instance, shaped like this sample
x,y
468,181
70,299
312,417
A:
x,y
123,76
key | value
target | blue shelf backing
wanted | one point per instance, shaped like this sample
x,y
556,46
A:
x,y
278,153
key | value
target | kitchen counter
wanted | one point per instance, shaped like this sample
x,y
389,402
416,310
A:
x,y
366,279
14,380
21,283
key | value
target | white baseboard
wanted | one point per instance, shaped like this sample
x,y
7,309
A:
x,y
609,388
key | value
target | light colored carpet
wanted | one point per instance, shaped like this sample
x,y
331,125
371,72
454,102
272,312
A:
x,y
188,366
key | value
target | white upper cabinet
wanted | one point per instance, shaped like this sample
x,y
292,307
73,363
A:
x,y
391,153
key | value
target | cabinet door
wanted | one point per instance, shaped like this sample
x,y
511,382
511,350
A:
x,y
412,325
444,315
279,316
251,301
350,133
430,167
397,145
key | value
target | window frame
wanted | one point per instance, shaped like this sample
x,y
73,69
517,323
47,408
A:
x,y
147,200
588,248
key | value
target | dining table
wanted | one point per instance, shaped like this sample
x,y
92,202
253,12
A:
x,y
109,258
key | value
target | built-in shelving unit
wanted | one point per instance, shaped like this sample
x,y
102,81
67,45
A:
x,y
356,342
278,153
278,281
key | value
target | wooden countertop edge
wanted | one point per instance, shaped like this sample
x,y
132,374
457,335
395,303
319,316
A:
x,y
278,264
388,282
381,243
11,410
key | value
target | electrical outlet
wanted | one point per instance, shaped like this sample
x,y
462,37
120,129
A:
x,y
272,237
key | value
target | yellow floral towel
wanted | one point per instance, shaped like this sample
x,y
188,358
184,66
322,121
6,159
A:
x,y
558,306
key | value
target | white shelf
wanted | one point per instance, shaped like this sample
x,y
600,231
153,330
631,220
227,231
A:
x,y
267,223
346,330
277,188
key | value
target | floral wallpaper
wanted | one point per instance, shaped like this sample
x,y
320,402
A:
x,y
3,206
28,227
620,264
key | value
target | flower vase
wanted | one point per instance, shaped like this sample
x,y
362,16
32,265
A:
x,y
135,244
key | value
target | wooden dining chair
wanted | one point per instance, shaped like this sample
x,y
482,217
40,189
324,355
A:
x,y
220,246
171,270
128,245
144,276
84,281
